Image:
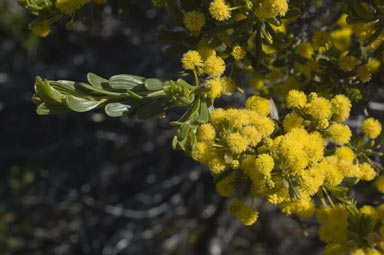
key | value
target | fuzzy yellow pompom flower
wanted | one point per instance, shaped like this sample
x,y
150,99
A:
x,y
206,132
214,87
367,173
237,118
219,10
341,107
348,63
267,9
305,50
251,133
194,21
363,73
216,163
225,186
69,6
321,41
339,133
296,99
245,214
319,108
369,211
200,152
237,143
291,121
238,53
371,128
345,153
264,164
228,85
214,66
191,60
217,117
42,29
323,124
303,207
259,105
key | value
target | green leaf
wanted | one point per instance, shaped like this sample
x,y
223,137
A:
x,y
44,109
274,112
203,112
153,84
125,81
97,81
152,109
78,104
47,93
119,109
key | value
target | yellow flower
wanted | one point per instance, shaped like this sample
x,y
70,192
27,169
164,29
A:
x,y
219,10
156,3
303,207
323,124
228,85
191,60
216,163
345,153
321,41
296,99
237,118
367,173
348,63
364,73
339,133
267,9
371,128
319,108
214,66
206,132
259,105
305,50
217,117
245,214
264,125
200,152
225,186
194,21
69,6
215,88
370,211
236,143
264,164
42,29
251,133
291,121
341,107
238,53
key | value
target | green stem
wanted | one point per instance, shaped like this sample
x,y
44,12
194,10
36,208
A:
x,y
196,78
328,196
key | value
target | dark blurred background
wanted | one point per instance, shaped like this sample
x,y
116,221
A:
x,y
89,184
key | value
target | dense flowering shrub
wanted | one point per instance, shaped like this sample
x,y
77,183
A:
x,y
290,143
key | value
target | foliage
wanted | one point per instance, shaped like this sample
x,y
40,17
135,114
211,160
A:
x,y
298,153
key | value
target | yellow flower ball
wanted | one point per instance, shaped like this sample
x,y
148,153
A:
x,y
42,29
367,173
216,163
206,132
245,214
214,66
379,183
238,53
341,107
237,143
319,108
259,105
305,50
191,60
364,73
251,133
219,10
225,186
237,118
370,211
194,21
217,117
345,153
340,133
267,9
296,99
228,85
348,63
371,128
214,87
291,121
69,6
200,152
264,163
321,41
